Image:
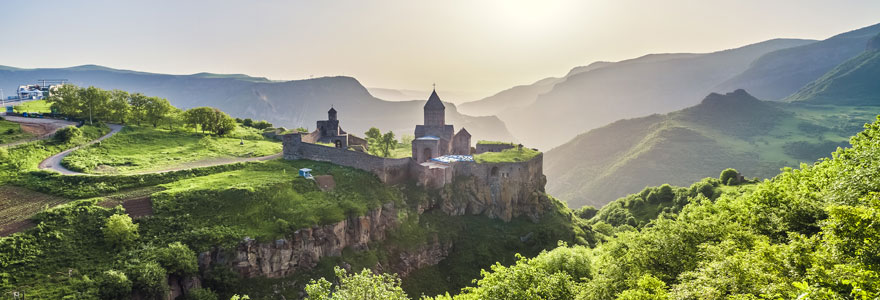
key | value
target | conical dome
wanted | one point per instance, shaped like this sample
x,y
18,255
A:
x,y
434,102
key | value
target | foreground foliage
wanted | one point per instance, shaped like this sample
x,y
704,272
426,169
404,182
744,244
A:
x,y
809,234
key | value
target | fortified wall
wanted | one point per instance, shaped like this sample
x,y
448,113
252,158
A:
x,y
389,170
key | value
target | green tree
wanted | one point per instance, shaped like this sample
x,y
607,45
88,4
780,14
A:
x,y
119,231
261,125
65,100
178,259
359,286
149,278
114,284
118,107
138,107
156,110
387,143
210,119
94,103
729,176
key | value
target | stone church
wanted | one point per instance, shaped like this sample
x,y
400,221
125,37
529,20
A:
x,y
435,138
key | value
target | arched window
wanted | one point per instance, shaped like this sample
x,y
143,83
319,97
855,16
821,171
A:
x,y
338,143
494,171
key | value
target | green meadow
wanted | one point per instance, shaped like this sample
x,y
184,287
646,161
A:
x,y
144,149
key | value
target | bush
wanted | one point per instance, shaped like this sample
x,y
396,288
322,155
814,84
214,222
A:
x,y
201,294
67,134
114,284
729,176
10,131
119,231
178,259
149,278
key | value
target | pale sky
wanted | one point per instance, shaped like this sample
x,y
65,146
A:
x,y
469,46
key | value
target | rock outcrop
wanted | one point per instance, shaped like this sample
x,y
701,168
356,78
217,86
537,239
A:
x,y
306,246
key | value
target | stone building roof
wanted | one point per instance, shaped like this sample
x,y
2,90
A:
x,y
434,102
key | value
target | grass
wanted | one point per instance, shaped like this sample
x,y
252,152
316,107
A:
x,y
11,132
139,149
401,151
507,155
268,200
493,143
34,106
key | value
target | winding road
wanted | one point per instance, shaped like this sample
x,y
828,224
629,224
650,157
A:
x,y
54,161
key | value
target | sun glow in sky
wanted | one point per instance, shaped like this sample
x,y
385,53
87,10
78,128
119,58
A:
x,y
473,47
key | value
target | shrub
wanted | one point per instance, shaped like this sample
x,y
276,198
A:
x,y
149,278
201,294
729,176
113,284
10,131
67,134
119,231
178,259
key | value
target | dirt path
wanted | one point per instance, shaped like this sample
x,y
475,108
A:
x,y
42,128
54,161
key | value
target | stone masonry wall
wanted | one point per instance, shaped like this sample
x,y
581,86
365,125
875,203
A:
x,y
483,148
389,170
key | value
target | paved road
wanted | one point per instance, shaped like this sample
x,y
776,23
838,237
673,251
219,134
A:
x,y
54,161
52,125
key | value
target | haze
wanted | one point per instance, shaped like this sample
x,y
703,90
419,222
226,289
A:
x,y
471,48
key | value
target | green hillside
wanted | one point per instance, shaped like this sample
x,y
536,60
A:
x,y
733,130
854,82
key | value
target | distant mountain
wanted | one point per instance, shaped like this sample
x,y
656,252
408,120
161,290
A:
x,y
854,82
655,83
296,103
781,73
521,95
734,130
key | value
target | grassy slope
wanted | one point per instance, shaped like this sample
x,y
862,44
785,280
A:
x,y
137,149
854,82
754,137
16,132
507,155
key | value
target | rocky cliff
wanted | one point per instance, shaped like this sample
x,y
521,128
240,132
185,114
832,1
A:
x,y
471,194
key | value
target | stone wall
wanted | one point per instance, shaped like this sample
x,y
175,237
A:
x,y
483,148
389,170
497,190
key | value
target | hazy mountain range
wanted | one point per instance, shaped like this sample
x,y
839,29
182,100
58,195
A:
x,y
733,130
296,103
551,111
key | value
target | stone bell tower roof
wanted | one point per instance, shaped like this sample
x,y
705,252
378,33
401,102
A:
x,y
434,102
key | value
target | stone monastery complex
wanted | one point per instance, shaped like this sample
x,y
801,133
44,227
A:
x,y
439,154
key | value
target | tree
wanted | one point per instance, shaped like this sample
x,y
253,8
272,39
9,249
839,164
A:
x,y
209,119
149,277
178,259
262,125
406,139
94,102
359,286
114,284
388,142
138,107
248,122
65,100
119,231
156,109
729,176
119,107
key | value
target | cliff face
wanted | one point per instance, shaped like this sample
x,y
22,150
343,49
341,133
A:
x,y
501,191
306,246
